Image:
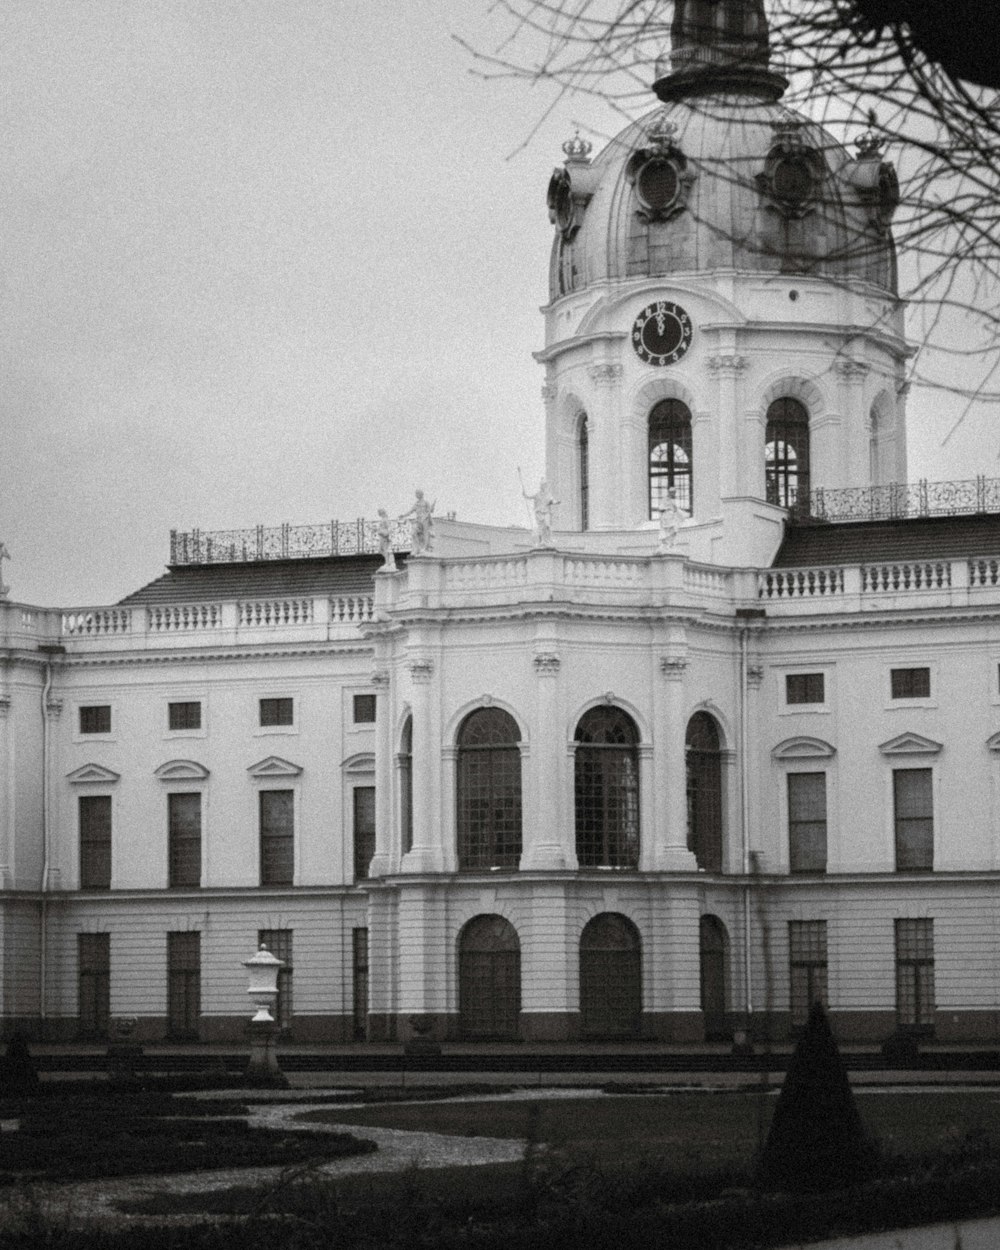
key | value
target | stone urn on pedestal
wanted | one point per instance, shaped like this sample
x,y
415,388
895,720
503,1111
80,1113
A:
x,y
263,1067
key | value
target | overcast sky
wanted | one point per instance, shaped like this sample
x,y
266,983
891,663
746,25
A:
x,y
270,260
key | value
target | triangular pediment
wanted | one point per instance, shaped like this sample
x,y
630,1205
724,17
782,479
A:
x,y
181,770
803,748
993,744
92,772
274,766
910,744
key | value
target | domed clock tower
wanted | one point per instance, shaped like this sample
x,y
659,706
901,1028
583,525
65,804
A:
x,y
723,318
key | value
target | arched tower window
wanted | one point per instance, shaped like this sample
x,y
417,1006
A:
x,y
610,977
406,785
489,979
704,791
669,456
786,454
488,795
583,459
607,789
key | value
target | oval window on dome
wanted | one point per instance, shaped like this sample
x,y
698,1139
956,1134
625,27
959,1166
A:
x,y
793,179
657,184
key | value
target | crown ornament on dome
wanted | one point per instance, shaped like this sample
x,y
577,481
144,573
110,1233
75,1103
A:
x,y
869,145
788,132
661,132
577,150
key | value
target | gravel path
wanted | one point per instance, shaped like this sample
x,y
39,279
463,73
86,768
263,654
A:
x,y
398,1149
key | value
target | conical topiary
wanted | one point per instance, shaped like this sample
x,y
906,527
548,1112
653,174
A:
x,y
816,1140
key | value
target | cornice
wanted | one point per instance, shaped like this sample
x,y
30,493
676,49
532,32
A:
x,y
855,621
111,659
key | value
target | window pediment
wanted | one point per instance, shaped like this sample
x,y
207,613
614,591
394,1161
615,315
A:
x,y
274,766
364,762
803,748
92,773
181,770
910,744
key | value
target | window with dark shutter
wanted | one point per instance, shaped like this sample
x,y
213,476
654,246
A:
x,y
804,688
364,709
184,716
911,683
914,819
276,712
915,974
364,830
95,841
279,943
807,822
183,984
95,719
93,983
277,837
806,967
184,839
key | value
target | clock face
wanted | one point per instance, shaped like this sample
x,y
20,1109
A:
x,y
662,333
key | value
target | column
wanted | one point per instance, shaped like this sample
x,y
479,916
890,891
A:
x,y
426,855
385,776
607,480
7,801
843,450
671,847
731,456
545,846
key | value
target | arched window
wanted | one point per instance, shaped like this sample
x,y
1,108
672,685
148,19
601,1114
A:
x,y
489,979
610,977
488,796
670,456
607,790
583,452
713,948
786,454
704,791
406,785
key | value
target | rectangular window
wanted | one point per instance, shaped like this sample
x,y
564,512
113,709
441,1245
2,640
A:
x,y
184,839
364,709
804,688
806,967
807,822
914,817
184,715
911,683
183,984
276,712
95,719
277,837
95,841
915,974
93,983
279,943
364,830
360,984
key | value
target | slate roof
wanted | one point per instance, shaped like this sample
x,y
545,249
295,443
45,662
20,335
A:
x,y
265,579
859,542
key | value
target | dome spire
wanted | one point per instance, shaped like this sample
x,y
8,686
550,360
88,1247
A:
x,y
718,45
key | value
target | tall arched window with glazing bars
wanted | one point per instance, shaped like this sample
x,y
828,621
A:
x,y
488,790
607,789
704,791
786,454
670,456
583,462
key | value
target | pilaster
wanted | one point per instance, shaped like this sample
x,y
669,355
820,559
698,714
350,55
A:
x,y
385,773
427,852
726,459
605,446
545,846
670,811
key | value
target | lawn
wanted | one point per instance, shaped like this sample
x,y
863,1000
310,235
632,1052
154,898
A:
x,y
690,1131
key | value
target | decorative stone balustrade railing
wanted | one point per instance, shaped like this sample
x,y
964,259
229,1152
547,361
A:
x,y
873,583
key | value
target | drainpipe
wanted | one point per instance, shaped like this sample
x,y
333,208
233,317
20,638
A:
x,y
745,616
43,936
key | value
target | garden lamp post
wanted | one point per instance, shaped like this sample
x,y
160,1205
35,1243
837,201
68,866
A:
x,y
262,971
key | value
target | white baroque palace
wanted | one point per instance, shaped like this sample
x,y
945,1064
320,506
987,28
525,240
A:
x,y
640,776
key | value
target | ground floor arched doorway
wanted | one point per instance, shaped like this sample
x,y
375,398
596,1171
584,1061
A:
x,y
610,977
489,980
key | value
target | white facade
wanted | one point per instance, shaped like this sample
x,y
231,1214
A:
x,y
621,784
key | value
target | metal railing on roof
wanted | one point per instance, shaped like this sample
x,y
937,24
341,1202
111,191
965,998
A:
x,y
284,542
903,500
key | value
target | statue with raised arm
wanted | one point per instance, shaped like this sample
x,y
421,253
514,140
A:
x,y
423,524
385,550
4,555
672,517
542,503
